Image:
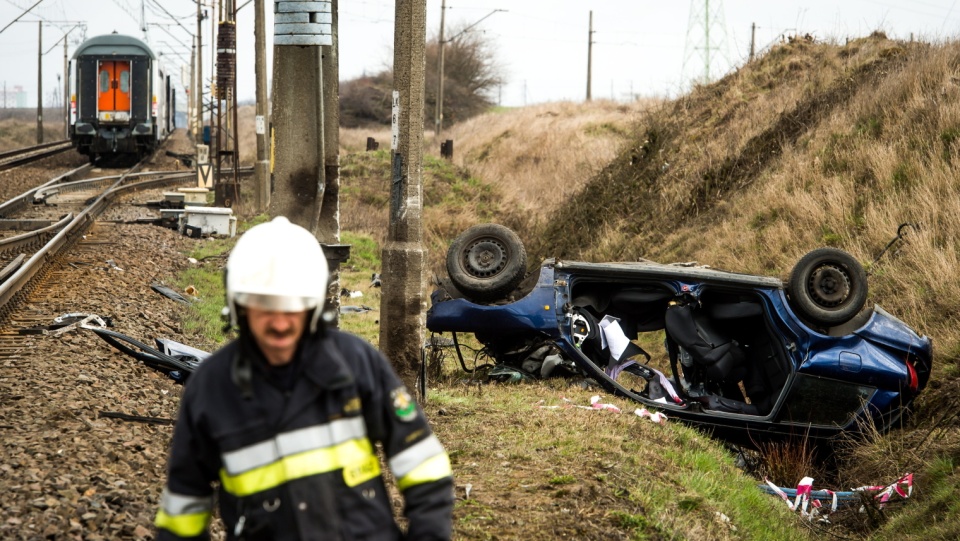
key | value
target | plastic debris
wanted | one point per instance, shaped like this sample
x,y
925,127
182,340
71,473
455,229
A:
x,y
810,502
655,416
595,404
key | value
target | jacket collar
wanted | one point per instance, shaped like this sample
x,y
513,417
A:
x,y
323,362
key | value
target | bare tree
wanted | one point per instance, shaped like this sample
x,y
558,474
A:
x,y
471,76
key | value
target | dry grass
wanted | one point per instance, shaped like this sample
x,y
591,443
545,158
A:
x,y
512,166
540,155
520,450
18,128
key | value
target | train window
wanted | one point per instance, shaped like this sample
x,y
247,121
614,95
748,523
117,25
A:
x,y
125,81
104,81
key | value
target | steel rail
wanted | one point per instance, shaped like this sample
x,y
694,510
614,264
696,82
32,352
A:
x,y
16,158
32,238
17,203
27,150
71,226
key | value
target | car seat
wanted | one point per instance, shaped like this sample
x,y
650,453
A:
x,y
721,358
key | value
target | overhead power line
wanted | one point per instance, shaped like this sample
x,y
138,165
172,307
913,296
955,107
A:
x,y
21,15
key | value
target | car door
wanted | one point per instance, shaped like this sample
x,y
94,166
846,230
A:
x,y
113,90
817,401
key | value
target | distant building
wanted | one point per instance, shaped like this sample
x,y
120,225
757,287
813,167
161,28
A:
x,y
13,97
21,97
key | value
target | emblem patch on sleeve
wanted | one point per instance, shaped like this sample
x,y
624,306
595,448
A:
x,y
403,405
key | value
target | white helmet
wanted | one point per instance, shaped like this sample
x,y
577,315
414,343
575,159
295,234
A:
x,y
277,266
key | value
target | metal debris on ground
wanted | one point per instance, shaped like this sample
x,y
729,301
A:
x,y
348,309
167,292
175,360
134,418
64,323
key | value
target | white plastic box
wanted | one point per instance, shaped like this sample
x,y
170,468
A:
x,y
174,197
194,196
209,220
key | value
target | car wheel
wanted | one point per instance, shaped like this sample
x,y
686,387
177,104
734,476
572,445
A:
x,y
828,286
486,262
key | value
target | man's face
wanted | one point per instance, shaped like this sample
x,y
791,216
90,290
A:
x,y
277,333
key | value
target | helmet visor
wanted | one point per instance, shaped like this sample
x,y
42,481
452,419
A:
x,y
275,303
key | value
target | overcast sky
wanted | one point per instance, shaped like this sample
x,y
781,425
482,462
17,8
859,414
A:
x,y
641,47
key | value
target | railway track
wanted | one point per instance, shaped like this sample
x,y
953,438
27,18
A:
x,y
21,156
39,225
67,469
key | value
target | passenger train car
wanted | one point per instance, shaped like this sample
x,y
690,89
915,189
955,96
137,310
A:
x,y
122,101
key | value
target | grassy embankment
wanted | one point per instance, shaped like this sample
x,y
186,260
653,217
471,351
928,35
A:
x,y
812,144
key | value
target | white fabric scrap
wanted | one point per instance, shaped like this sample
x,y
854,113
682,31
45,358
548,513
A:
x,y
657,417
613,336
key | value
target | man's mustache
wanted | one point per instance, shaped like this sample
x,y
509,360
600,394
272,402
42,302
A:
x,y
280,333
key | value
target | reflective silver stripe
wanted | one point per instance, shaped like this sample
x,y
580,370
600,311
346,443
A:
x,y
293,442
180,504
406,461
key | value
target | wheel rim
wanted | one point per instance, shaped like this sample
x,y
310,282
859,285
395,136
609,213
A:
x,y
484,258
829,286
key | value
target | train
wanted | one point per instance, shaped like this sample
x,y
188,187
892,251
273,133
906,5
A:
x,y
122,101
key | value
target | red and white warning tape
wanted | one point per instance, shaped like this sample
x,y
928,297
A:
x,y
595,404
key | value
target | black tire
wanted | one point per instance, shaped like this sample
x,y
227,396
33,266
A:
x,y
486,262
828,287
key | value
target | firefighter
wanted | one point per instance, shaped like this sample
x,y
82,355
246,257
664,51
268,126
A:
x,y
283,421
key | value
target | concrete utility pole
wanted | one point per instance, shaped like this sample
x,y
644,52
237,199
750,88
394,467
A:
x,y
753,38
299,167
440,45
402,305
328,219
590,58
262,168
40,83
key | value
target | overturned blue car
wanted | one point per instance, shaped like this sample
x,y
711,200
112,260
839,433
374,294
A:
x,y
750,359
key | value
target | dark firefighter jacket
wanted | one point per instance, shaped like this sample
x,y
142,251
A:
x,y
301,464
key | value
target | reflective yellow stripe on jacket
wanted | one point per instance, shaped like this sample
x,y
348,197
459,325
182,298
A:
x,y
185,516
423,462
339,445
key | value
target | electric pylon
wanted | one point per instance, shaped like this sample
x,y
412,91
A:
x,y
705,55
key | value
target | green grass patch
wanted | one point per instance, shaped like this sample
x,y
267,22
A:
x,y
562,480
364,252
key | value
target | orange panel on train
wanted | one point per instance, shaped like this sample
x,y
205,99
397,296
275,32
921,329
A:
x,y
113,86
